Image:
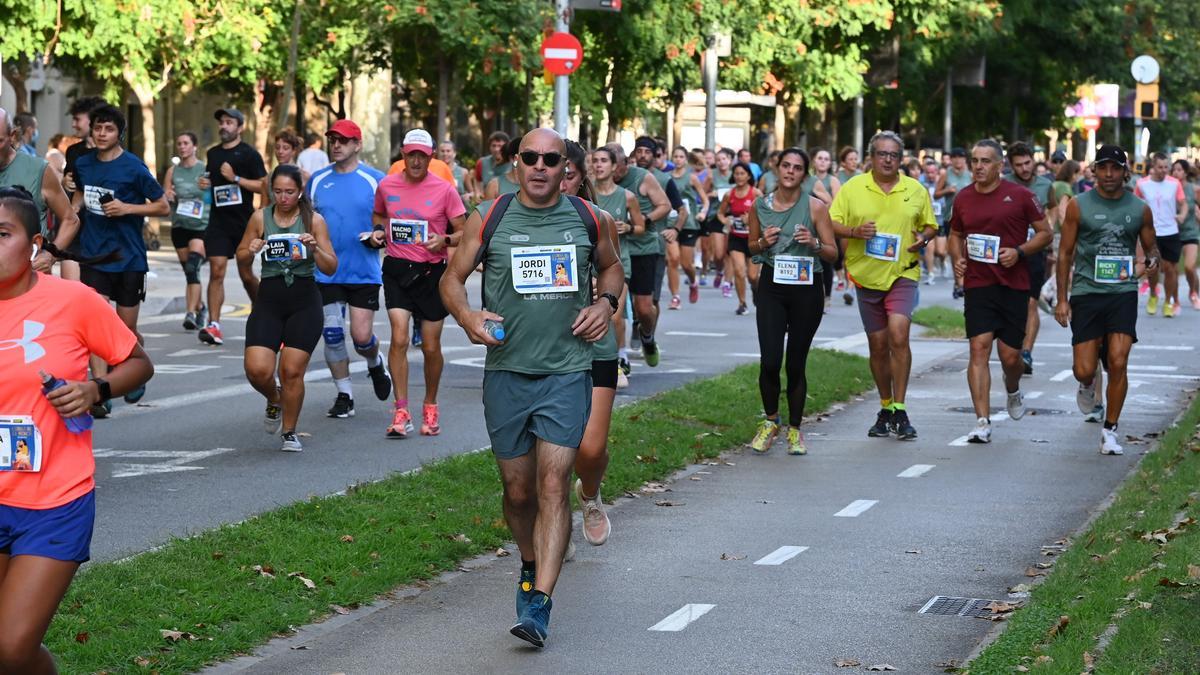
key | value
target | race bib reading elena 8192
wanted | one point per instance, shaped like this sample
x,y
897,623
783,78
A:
x,y
544,269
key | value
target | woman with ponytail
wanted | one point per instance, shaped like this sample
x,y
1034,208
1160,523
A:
x,y
48,327
286,318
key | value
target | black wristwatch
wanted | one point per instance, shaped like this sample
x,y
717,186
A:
x,y
105,389
1020,252
612,300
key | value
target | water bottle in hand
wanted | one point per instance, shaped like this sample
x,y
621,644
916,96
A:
x,y
77,424
494,328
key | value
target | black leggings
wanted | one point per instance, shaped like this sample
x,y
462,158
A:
x,y
792,313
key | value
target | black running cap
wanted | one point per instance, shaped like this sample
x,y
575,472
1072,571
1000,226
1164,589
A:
x,y
958,152
229,112
1111,153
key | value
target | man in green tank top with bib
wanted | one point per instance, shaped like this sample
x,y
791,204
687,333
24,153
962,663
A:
x,y
537,379
1098,271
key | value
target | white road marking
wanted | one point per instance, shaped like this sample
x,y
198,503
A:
x,y
847,343
1164,376
856,508
155,335
682,617
746,355
1139,348
781,555
686,333
915,471
1033,395
1062,375
1160,369
180,368
191,352
176,460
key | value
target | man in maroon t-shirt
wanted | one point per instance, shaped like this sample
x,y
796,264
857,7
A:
x,y
988,231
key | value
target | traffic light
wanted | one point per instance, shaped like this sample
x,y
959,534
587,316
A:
x,y
1145,105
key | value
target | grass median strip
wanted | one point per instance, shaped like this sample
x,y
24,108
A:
x,y
942,322
1129,587
227,590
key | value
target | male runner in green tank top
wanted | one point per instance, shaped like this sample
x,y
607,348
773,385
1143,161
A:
x,y
35,175
537,380
1020,158
1098,271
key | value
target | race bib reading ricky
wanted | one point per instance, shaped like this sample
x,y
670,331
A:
x,y
544,269
1113,269
794,270
884,247
409,231
190,208
227,195
91,198
20,444
284,247
983,248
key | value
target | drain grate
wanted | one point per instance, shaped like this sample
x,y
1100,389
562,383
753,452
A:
x,y
944,605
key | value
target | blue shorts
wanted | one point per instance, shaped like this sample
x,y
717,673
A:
x,y
62,533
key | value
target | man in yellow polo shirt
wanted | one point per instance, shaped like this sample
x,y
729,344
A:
x,y
887,219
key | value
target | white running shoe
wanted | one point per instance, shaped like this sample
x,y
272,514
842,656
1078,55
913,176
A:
x,y
1085,398
982,433
622,379
1109,444
1016,405
596,526
1096,416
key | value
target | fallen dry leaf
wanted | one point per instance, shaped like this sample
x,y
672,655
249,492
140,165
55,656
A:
x,y
949,665
655,487
695,478
1021,669
1044,658
265,570
914,551
299,648
1170,583
1193,571
664,502
141,662
732,556
339,609
881,666
1089,662
1044,565
501,553
461,538
308,583
847,663
82,638
217,555
1034,572
347,539
176,635
1145,605
1019,588
1058,627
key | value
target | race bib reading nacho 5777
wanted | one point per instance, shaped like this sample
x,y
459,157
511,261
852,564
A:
x,y
544,269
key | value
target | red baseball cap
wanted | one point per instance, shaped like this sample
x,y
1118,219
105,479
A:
x,y
345,129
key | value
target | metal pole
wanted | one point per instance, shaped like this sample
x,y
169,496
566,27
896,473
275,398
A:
x,y
710,91
858,124
562,86
948,112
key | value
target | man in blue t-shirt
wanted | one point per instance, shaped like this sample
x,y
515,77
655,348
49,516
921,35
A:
x,y
116,194
344,193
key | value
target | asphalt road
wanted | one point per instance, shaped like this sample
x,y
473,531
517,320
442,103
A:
x,y
777,564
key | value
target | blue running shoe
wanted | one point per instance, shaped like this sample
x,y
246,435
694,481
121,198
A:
x,y
524,591
135,395
534,625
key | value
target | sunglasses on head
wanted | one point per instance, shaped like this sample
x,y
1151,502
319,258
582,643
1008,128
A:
x,y
530,158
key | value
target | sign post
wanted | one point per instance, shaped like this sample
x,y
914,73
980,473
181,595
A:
x,y
561,54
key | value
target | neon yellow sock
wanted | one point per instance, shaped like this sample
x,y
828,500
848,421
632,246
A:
x,y
898,405
885,403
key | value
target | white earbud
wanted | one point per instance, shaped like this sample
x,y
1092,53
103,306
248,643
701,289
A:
x,y
35,252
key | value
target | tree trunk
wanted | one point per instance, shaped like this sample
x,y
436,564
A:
x,y
289,81
16,73
265,105
676,125
149,140
443,98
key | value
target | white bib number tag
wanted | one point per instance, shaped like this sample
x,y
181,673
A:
x,y
983,248
20,444
227,195
407,232
284,247
1113,269
544,269
190,208
884,247
794,270
738,225
91,198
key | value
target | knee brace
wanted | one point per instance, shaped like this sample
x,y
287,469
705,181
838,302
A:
x,y
335,333
365,350
191,267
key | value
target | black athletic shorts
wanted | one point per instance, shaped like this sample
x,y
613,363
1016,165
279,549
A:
x,y
222,242
1095,315
739,244
180,237
413,287
997,309
1037,273
604,374
363,296
944,228
643,274
689,237
286,315
1170,247
712,226
127,289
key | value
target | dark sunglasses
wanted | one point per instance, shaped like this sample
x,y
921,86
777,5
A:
x,y
530,158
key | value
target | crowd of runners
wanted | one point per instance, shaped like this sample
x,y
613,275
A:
x,y
574,247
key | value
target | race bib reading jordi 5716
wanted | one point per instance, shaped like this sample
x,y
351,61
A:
x,y
544,269
884,246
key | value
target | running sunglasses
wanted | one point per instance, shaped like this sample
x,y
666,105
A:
x,y
530,158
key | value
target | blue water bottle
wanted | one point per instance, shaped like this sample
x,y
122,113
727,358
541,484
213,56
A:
x,y
494,328
77,424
